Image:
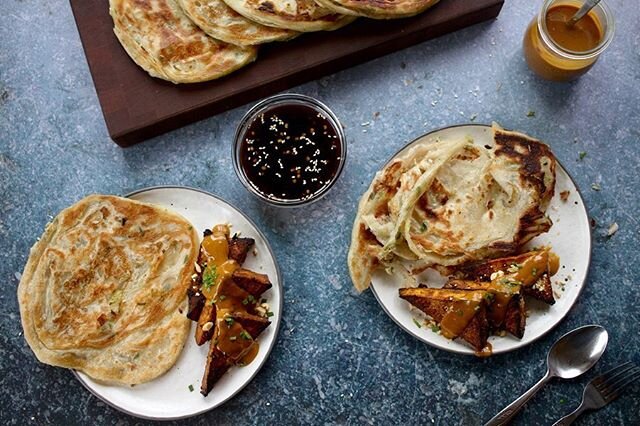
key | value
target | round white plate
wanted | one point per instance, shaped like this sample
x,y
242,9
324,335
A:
x,y
169,396
569,237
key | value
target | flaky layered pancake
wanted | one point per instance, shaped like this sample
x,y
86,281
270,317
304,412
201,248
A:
x,y
104,288
376,9
220,21
447,202
296,15
162,40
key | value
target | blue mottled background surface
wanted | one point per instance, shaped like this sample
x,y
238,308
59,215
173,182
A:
x,y
338,359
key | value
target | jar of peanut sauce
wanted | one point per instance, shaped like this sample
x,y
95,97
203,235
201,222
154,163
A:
x,y
559,52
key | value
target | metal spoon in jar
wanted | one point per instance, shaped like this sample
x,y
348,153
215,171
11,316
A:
x,y
586,7
572,355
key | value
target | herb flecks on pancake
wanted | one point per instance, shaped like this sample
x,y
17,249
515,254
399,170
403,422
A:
x,y
161,39
295,15
378,9
103,289
223,23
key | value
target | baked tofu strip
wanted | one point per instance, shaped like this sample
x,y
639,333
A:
x,y
253,283
239,248
253,324
196,303
218,362
481,271
438,303
511,318
541,290
206,324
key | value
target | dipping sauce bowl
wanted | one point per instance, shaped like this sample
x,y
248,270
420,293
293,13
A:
x,y
289,150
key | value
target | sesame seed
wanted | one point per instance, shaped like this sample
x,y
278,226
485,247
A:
x,y
288,138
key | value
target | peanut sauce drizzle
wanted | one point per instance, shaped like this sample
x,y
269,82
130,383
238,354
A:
x,y
502,289
458,317
229,299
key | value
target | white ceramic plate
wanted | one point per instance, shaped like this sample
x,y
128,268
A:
x,y
168,397
569,237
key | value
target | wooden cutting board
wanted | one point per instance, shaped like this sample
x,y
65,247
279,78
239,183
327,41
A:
x,y
137,106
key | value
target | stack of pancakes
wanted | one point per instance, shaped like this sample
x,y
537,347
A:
x,y
448,202
188,41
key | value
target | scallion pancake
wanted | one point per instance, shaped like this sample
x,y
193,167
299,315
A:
x,y
104,289
446,202
223,23
296,15
378,9
162,40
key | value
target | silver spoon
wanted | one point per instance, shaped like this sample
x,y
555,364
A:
x,y
586,7
573,354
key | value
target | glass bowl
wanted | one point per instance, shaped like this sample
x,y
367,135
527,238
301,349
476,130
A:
x,y
263,107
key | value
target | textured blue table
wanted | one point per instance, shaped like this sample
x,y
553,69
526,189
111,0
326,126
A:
x,y
339,359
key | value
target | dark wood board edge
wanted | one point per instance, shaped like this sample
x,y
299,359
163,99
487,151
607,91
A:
x,y
132,135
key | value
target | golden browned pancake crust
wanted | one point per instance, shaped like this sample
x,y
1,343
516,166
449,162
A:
x,y
446,202
297,15
378,9
103,289
161,39
220,21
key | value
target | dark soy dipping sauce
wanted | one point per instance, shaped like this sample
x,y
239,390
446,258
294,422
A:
x,y
290,152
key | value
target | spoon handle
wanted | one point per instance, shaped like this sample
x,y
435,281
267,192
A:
x,y
586,7
512,409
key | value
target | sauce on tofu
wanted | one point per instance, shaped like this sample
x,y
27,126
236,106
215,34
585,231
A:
x,y
458,317
232,339
498,309
498,297
535,266
229,299
250,354
504,286
219,267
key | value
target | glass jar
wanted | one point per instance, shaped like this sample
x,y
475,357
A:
x,y
552,61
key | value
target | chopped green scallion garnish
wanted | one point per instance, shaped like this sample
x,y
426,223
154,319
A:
x,y
248,299
209,277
